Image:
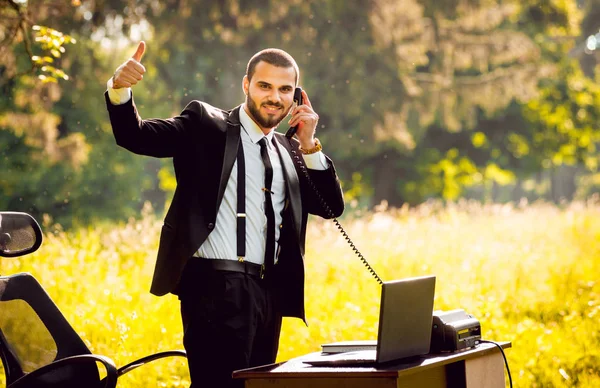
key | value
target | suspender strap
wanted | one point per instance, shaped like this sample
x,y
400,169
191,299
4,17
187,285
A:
x,y
241,203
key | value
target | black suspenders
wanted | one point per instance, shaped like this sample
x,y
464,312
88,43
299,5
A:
x,y
241,200
241,203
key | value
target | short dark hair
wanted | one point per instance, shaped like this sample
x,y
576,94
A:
x,y
272,56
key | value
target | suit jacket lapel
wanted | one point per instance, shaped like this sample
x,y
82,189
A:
x,y
232,142
291,180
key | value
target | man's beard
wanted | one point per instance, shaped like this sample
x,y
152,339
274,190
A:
x,y
264,121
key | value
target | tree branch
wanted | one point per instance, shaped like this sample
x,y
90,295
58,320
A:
x,y
444,82
22,24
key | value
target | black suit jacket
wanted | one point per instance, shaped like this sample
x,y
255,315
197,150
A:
x,y
203,142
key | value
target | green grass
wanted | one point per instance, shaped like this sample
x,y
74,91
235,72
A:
x,y
528,273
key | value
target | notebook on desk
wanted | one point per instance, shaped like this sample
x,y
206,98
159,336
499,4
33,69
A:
x,y
405,317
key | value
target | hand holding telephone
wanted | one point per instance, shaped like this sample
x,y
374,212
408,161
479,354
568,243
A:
x,y
298,100
289,134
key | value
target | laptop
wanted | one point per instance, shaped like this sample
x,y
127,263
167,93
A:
x,y
405,318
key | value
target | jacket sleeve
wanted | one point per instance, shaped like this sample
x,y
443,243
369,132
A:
x,y
153,137
322,192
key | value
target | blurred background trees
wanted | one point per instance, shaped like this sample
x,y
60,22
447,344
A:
x,y
418,99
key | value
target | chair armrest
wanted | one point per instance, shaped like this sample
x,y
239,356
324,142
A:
x,y
110,381
144,360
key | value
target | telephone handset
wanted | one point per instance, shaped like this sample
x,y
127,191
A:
x,y
289,134
298,100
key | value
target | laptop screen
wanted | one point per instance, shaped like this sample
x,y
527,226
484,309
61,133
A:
x,y
405,318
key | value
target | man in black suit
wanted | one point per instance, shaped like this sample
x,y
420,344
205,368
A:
x,y
233,252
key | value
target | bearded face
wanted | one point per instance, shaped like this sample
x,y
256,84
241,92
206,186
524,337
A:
x,y
269,94
267,114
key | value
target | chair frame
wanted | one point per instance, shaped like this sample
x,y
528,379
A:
x,y
55,321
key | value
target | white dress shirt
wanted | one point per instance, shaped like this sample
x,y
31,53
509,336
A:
x,y
221,242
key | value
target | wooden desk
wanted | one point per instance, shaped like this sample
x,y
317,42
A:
x,y
479,367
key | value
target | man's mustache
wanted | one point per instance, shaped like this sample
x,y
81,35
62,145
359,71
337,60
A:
x,y
275,104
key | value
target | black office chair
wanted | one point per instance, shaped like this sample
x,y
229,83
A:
x,y
39,348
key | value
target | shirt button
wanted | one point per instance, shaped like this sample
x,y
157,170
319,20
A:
x,y
211,226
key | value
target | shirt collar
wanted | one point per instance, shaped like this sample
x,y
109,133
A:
x,y
252,128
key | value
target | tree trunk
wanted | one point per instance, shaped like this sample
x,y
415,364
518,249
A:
x,y
386,177
562,183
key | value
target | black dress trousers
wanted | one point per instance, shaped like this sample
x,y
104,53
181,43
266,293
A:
x,y
230,322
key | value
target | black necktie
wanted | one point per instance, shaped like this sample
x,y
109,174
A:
x,y
270,245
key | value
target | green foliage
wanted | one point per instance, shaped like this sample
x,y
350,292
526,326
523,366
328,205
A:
x,y
53,42
420,99
565,119
30,48
356,191
59,156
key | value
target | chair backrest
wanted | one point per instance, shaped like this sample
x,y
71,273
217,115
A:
x,y
34,333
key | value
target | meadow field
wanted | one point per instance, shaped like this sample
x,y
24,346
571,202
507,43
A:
x,y
528,272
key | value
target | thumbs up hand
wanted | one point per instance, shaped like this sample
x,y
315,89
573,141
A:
x,y
131,71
